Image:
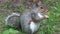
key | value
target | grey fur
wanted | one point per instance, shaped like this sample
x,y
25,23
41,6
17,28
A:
x,y
12,19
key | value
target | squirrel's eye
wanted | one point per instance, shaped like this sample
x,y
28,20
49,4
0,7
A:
x,y
41,7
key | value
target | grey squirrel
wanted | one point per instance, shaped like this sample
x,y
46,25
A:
x,y
29,19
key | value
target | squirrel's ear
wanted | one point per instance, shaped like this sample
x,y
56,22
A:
x,y
39,3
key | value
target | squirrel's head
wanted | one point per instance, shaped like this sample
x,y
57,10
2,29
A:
x,y
39,12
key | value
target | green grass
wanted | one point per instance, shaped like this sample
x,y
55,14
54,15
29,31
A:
x,y
48,26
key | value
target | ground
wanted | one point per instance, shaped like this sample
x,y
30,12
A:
x,y
50,26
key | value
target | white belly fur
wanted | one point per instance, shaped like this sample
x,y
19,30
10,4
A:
x,y
34,26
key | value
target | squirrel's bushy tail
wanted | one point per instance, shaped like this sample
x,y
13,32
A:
x,y
13,20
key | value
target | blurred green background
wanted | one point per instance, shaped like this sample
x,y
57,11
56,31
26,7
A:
x,y
50,26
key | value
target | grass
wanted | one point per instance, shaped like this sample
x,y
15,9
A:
x,y
48,26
